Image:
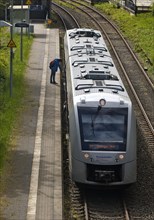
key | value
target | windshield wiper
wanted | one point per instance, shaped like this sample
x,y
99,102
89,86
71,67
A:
x,y
94,118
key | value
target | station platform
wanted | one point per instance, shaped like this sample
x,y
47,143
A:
x,y
34,189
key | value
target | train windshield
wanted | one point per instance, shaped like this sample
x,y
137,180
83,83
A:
x,y
103,130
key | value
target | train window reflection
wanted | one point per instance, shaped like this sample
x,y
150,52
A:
x,y
105,130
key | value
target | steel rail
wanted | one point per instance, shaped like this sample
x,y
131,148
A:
x,y
61,18
85,207
89,215
126,211
69,14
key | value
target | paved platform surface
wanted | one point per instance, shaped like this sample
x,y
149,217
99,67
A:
x,y
34,190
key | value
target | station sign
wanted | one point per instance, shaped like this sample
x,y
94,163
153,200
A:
x,y
28,2
22,24
11,44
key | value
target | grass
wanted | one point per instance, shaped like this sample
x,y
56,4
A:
x,y
139,30
10,107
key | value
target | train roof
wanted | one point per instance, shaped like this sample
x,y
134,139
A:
x,y
91,65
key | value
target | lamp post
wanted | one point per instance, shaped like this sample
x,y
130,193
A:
x,y
21,35
11,49
135,7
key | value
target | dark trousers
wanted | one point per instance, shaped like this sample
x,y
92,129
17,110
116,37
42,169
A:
x,y
52,76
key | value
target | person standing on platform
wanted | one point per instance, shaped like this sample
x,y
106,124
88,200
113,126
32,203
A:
x,y
54,65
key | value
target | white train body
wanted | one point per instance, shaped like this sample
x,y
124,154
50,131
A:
x,y
102,125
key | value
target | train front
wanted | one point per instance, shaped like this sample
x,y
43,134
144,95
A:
x,y
103,140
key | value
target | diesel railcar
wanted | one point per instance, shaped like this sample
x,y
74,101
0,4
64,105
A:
x,y
102,124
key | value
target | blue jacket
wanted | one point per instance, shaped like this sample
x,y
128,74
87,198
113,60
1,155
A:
x,y
56,64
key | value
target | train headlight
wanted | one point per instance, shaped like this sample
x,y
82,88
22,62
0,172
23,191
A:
x,y
86,155
102,102
83,100
121,157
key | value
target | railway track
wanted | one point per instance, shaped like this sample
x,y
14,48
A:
x,y
109,201
141,91
94,204
65,16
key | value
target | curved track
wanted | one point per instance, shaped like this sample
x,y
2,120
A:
x,y
66,17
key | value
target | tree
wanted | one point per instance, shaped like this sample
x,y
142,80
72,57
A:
x,y
3,3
